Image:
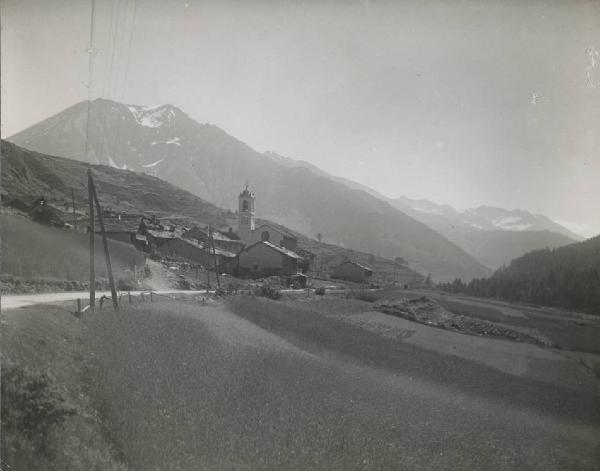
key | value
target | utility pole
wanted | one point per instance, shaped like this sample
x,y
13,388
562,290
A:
x,y
92,244
207,248
74,213
212,243
111,280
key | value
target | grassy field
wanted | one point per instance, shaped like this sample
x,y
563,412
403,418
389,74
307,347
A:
x,y
277,385
48,421
31,250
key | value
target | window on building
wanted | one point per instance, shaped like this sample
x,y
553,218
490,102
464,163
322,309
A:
x,y
265,235
244,205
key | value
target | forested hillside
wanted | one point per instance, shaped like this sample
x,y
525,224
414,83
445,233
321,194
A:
x,y
566,277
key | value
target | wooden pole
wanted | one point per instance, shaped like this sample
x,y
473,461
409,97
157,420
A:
x,y
207,249
74,213
92,244
111,280
212,243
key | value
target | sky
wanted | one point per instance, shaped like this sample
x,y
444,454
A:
x,y
466,103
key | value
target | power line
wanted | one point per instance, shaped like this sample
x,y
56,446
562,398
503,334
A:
x,y
91,53
128,54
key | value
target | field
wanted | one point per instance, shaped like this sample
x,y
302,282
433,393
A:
x,y
259,384
33,251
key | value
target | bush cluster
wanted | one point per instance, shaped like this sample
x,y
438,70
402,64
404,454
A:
x,y
30,407
362,295
267,291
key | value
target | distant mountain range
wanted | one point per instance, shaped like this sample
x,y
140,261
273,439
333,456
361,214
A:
x,y
165,142
494,236
486,218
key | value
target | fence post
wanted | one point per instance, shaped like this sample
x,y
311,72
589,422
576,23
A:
x,y
150,296
78,306
129,295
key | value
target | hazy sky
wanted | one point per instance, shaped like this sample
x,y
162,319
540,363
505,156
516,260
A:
x,y
465,103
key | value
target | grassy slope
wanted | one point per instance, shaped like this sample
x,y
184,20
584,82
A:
x,y
183,387
31,250
46,370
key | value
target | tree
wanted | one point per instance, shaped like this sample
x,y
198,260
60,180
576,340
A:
x,y
401,261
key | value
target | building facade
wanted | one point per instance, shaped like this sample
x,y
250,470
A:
x,y
266,259
352,271
272,234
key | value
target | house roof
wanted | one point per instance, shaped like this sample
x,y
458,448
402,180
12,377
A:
x,y
112,224
201,246
281,250
283,231
162,234
354,263
217,235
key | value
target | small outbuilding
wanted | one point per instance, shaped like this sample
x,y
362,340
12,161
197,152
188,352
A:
x,y
352,271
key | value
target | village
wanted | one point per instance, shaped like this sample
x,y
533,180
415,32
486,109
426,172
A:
x,y
193,255
299,235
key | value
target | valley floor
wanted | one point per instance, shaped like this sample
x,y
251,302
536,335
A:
x,y
316,383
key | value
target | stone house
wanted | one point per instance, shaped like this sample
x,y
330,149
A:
x,y
352,271
266,259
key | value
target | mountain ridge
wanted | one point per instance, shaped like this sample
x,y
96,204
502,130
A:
x,y
213,165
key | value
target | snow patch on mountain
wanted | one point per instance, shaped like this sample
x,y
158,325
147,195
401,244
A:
x,y
113,164
429,209
511,223
153,164
151,116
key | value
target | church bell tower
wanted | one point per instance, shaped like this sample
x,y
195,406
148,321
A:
x,y
246,213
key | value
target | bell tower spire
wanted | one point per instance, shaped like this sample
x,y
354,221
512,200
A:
x,y
246,212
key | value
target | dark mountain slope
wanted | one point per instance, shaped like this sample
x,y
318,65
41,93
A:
x,y
368,221
566,277
26,173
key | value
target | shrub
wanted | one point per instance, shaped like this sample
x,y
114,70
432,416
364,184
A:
x,y
363,295
126,284
320,291
182,283
267,291
30,407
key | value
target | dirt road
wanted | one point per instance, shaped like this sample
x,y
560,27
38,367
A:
x,y
13,301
